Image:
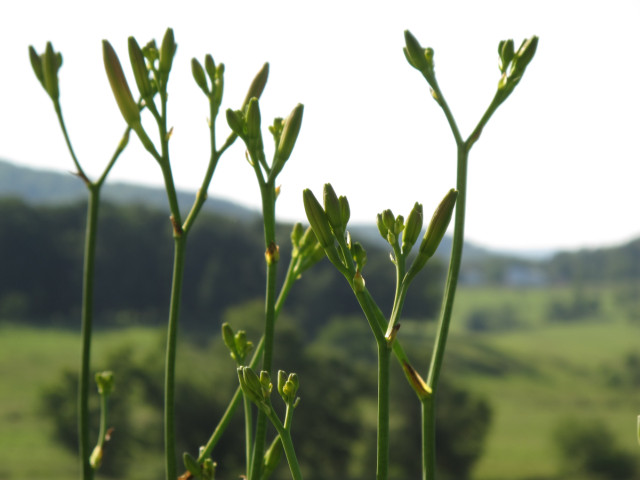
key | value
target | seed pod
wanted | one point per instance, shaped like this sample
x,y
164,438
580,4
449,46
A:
x,y
126,103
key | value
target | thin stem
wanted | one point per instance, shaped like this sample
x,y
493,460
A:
x,y
248,433
427,414
76,162
170,365
86,329
287,443
382,466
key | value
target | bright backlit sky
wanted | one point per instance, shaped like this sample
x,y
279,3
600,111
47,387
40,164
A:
x,y
557,166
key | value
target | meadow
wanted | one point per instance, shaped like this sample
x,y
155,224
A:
x,y
534,372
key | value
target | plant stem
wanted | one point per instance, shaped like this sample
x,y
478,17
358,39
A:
x,y
86,329
170,365
382,466
287,444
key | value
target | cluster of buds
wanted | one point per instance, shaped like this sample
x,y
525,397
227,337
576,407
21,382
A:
x,y
46,66
288,387
514,63
203,471
237,343
329,224
256,388
306,251
246,124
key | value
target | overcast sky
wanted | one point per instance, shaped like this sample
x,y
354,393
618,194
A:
x,y
557,167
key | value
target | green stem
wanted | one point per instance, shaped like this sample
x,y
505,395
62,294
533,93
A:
x,y
170,365
382,466
86,329
427,413
287,443
248,433
267,190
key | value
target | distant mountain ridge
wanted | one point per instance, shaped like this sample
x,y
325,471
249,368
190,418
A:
x,y
39,187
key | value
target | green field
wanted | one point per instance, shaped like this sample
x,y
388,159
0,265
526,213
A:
x,y
533,372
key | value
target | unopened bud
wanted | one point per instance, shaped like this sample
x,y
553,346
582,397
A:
x,y
332,207
265,381
389,219
290,132
382,228
317,219
253,121
127,105
414,52
235,119
413,228
506,52
199,76
139,67
345,211
51,63
105,382
257,85
359,255
167,52
192,465
229,340
439,224
358,282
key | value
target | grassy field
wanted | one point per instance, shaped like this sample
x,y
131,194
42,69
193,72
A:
x,y
534,372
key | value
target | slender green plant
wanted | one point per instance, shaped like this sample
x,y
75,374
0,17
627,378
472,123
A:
x,y
512,67
46,67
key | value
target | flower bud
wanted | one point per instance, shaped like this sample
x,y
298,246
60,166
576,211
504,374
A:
x,y
95,460
235,119
414,52
317,219
358,282
296,235
192,465
332,207
253,121
389,220
345,211
167,52
250,384
382,228
439,223
140,71
105,382
272,458
257,85
36,64
51,63
210,66
290,132
229,340
359,255
398,226
127,105
265,381
412,228
506,52
199,76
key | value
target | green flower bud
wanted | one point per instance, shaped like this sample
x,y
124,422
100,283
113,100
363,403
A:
x,y
192,465
95,460
229,340
308,240
506,52
265,381
36,64
127,105
282,379
414,52
290,389
235,119
209,469
51,63
317,219
358,282
199,76
210,67
389,220
525,53
345,211
250,384
105,382
272,457
296,235
439,223
258,84
167,52
218,85
359,255
382,228
253,122
398,227
332,207
290,132
412,229
140,71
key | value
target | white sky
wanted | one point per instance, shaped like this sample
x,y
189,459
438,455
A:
x,y
557,167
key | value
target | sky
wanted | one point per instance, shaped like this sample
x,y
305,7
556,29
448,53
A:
x,y
557,167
